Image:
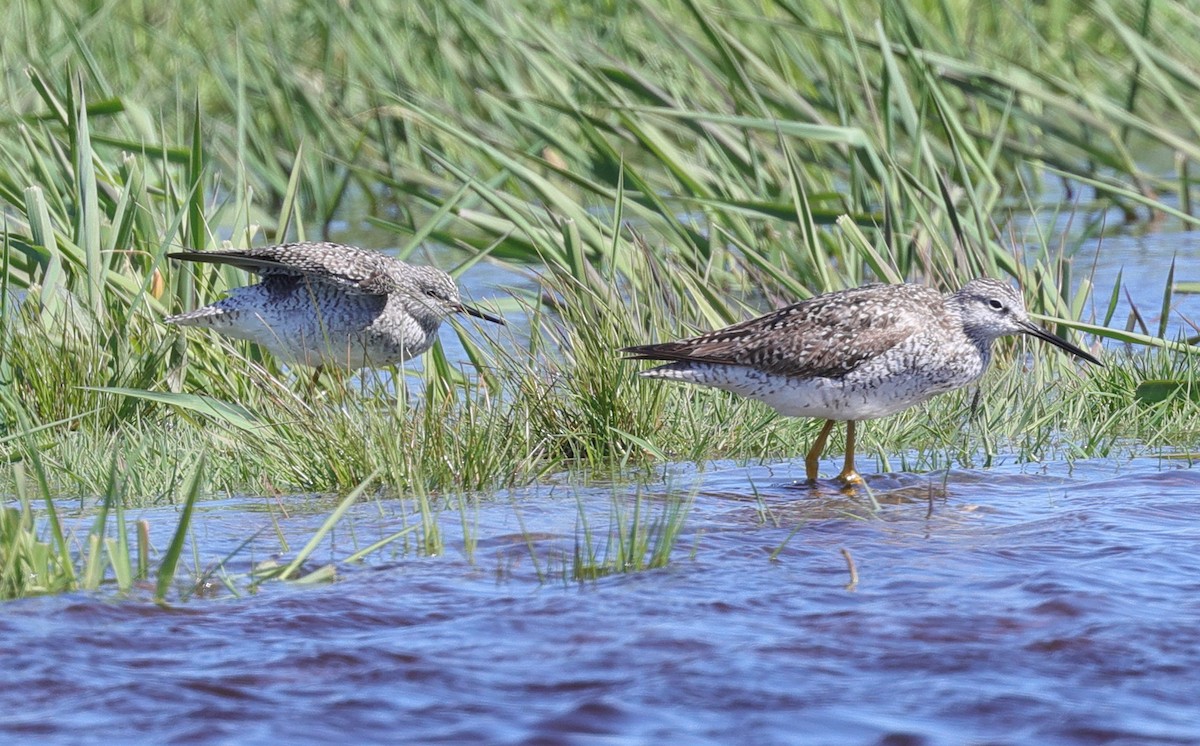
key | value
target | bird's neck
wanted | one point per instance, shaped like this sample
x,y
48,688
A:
x,y
979,338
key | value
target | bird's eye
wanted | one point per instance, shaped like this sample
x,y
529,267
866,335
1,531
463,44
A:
x,y
995,304
433,293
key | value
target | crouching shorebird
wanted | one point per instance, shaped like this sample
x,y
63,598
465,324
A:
x,y
325,304
855,354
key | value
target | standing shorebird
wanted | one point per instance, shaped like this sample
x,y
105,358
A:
x,y
855,354
325,304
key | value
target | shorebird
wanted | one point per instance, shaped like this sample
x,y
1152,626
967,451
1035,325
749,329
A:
x,y
325,304
854,354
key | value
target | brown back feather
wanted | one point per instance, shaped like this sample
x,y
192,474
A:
x,y
826,336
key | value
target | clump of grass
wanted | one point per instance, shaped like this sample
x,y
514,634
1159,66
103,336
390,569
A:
x,y
639,537
37,556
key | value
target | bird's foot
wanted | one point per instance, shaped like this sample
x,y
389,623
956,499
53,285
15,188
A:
x,y
843,482
851,478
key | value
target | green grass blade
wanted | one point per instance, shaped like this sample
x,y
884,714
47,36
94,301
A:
x,y
328,525
228,413
170,560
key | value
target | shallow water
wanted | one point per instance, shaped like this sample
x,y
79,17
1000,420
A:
x,y
1142,262
1025,604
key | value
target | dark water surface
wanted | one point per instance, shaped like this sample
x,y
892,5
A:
x,y
1034,604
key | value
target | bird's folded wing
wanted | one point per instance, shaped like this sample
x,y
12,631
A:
x,y
351,270
813,338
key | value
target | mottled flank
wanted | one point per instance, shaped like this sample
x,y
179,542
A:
x,y
856,354
320,303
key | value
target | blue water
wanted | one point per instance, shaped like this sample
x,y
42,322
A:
x,y
1143,262
1024,604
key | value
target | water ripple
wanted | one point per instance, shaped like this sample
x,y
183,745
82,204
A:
x,y
1015,605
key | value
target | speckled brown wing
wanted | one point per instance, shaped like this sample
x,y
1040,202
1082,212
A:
x,y
351,269
826,336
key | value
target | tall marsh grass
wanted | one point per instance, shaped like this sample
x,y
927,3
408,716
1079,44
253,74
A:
x,y
660,168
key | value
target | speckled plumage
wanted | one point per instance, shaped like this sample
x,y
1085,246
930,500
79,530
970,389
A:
x,y
320,303
856,354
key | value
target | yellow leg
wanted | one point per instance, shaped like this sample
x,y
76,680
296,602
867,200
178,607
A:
x,y
814,453
849,475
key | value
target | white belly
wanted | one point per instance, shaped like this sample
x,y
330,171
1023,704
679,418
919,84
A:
x,y
861,397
